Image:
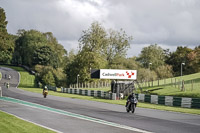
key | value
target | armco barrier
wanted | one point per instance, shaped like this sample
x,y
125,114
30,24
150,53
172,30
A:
x,y
101,94
170,101
52,88
154,99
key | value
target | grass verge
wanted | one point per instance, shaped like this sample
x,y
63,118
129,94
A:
x,y
12,124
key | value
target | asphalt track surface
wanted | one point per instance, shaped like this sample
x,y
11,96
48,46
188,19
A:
x,y
82,116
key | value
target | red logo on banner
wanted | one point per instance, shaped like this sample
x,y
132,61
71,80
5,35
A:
x,y
129,75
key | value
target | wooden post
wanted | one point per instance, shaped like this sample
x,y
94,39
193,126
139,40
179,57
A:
x,y
192,85
171,82
158,82
183,86
175,83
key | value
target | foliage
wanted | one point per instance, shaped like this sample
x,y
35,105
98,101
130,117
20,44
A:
x,y
153,54
177,58
194,60
164,71
43,56
48,79
33,47
97,49
6,40
47,74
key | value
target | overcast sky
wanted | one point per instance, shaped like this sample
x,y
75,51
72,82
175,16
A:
x,y
169,23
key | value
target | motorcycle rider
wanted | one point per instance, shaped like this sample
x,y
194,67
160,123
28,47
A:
x,y
132,95
45,88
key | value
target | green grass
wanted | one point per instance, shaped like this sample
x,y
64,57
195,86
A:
x,y
12,124
168,86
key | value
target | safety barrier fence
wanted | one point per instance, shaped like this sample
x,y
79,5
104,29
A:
x,y
53,88
170,100
94,93
154,99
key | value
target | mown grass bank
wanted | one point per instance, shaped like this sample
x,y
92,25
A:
x,y
12,124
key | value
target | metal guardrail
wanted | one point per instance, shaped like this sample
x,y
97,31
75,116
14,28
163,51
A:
x,y
170,100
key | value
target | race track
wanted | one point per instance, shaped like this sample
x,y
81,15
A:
x,y
74,115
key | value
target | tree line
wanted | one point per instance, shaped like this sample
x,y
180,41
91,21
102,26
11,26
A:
x,y
99,48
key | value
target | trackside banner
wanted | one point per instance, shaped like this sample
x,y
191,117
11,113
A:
x,y
118,74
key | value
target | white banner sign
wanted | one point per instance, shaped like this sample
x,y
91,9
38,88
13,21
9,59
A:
x,y
118,74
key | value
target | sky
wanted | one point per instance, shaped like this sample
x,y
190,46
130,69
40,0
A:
x,y
168,23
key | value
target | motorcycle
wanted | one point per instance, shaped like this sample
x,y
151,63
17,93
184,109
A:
x,y
45,92
131,105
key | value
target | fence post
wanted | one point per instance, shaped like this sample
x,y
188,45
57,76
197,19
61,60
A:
x,y
171,82
175,83
182,87
0,92
158,82
192,85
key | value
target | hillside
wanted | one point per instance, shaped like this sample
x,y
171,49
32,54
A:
x,y
172,86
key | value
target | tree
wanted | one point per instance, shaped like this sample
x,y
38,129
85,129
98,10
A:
x,y
194,60
97,49
117,46
34,47
152,54
42,56
48,79
164,71
177,58
6,43
26,45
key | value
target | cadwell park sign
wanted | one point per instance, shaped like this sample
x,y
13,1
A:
x,y
114,74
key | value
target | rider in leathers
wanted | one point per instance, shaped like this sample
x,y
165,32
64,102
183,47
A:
x,y
132,95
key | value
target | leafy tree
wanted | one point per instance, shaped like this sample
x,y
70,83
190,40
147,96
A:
x,y
6,42
26,45
164,71
34,47
177,58
97,49
194,60
146,75
117,46
59,53
42,56
48,79
153,54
